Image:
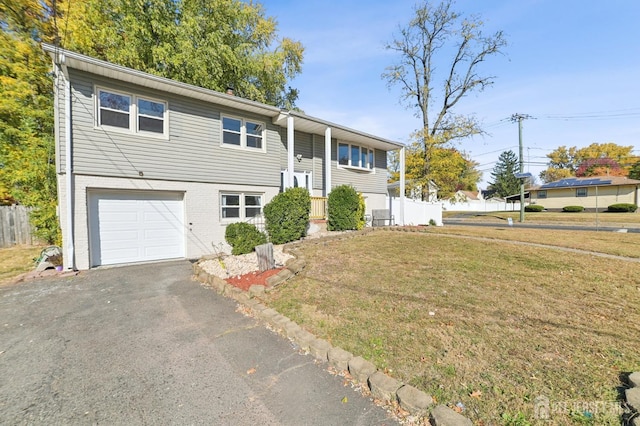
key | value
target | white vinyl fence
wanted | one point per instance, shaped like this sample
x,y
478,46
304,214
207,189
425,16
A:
x,y
480,206
415,212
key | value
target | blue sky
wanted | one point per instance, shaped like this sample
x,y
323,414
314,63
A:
x,y
574,66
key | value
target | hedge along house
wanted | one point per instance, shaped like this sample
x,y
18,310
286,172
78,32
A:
x,y
152,169
588,192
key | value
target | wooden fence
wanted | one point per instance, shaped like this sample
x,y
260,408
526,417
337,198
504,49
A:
x,y
14,226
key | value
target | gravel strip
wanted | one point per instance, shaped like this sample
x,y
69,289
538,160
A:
x,y
228,266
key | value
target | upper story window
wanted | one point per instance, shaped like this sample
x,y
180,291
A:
x,y
542,193
355,156
242,133
131,113
581,192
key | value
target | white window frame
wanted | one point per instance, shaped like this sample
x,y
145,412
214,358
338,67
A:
x,y
134,123
243,133
242,215
370,155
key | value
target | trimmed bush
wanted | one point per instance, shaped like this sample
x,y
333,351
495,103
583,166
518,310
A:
x,y
573,209
243,237
287,215
622,208
533,208
345,209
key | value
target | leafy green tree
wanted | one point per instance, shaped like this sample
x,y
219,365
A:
x,y
209,43
634,173
505,182
439,44
27,169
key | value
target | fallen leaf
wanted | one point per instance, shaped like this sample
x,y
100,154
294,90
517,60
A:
x,y
476,394
423,359
345,400
251,371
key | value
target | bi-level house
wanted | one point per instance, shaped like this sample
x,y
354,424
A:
x,y
150,168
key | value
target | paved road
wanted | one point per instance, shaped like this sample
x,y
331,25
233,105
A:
x,y
146,345
577,227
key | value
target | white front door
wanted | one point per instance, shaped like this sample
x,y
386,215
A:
x,y
300,180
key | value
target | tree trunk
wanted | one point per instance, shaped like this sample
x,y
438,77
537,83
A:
x,y
265,257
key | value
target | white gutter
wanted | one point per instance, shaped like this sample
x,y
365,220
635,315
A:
x,y
290,153
69,258
327,162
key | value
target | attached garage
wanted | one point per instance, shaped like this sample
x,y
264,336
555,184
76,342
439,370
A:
x,y
135,226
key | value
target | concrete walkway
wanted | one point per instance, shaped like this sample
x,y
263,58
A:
x,y
146,345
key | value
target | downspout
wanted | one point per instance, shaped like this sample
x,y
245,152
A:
x,y
290,153
327,161
69,259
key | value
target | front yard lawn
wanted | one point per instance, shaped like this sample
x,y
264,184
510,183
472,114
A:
x,y
17,260
488,324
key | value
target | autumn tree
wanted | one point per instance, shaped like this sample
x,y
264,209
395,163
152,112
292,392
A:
x,y
209,43
599,167
452,171
27,169
505,182
634,173
564,162
439,44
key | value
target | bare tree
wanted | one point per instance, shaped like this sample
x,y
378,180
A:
x,y
439,37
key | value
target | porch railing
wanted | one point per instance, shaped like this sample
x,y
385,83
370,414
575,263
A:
x,y
318,208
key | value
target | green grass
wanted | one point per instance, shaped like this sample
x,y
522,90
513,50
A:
x,y
628,220
17,260
614,243
460,317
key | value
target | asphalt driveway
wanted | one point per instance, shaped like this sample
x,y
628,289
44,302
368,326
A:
x,y
145,344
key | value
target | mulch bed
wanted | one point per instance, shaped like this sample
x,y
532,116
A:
x,y
245,281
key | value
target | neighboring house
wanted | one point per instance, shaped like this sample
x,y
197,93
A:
x,y
414,192
159,168
588,192
464,196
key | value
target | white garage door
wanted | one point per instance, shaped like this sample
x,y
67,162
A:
x,y
135,226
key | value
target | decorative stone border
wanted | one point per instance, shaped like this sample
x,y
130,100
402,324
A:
x,y
381,386
632,395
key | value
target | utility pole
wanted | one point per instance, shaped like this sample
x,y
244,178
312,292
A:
x,y
519,118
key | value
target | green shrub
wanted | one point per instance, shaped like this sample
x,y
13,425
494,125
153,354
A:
x,y
243,237
287,215
345,209
573,209
533,208
622,208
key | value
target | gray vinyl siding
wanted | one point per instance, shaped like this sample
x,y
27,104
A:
x,y
318,162
192,152
363,181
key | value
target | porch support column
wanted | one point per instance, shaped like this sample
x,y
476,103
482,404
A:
x,y
327,161
402,184
288,183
